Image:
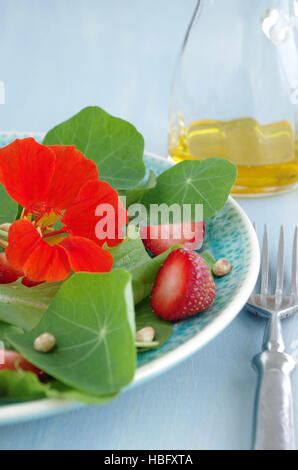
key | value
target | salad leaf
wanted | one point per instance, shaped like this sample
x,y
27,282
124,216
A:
x,y
5,329
59,390
131,252
134,195
19,212
208,258
23,306
146,317
112,143
206,182
8,207
132,256
21,386
92,319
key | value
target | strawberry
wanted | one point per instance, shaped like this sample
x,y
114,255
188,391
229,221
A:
x,y
159,238
13,360
183,286
28,283
7,273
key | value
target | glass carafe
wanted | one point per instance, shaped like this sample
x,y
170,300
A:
x,y
235,92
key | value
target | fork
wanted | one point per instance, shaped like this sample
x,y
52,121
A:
x,y
274,421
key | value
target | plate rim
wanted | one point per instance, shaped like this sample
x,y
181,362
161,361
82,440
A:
x,y
35,409
202,337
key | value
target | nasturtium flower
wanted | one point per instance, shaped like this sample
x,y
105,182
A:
x,y
56,183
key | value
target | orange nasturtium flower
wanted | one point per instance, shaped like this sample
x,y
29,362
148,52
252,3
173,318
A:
x,y
51,183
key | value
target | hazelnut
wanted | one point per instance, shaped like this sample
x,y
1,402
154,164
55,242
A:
x,y
145,335
44,343
221,267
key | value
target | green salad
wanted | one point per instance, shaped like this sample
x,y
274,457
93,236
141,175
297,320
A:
x,y
77,308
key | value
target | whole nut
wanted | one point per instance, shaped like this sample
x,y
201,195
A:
x,y
221,267
44,343
145,335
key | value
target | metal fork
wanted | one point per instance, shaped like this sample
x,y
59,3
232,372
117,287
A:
x,y
274,422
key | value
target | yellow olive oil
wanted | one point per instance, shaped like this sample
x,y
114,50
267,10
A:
x,y
266,155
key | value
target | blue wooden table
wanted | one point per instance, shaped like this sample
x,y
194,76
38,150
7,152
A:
x,y
57,57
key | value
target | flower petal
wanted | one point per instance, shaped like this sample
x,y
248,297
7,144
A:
x,y
39,261
81,219
47,263
72,171
22,239
85,255
29,253
26,170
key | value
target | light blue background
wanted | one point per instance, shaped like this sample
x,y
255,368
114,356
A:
x,y
57,56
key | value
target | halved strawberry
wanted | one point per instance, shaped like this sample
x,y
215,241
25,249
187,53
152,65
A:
x,y
7,273
13,360
159,238
183,286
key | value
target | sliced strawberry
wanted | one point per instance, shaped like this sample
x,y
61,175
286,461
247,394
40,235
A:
x,y
159,238
183,286
7,273
13,360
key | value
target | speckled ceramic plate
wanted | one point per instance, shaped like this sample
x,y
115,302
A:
x,y
229,234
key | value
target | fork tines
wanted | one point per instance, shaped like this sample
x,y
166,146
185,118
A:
x,y
279,284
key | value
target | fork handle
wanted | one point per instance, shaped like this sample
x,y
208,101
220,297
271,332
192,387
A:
x,y
274,420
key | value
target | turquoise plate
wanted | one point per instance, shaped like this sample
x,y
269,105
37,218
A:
x,y
229,234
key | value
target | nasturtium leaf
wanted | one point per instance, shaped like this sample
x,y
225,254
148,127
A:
x,y
206,182
146,317
8,207
92,319
21,386
208,258
23,306
112,143
134,195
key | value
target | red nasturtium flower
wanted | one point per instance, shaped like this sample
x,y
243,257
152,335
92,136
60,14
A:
x,y
51,183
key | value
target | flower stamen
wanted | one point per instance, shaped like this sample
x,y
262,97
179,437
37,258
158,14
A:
x,y
39,230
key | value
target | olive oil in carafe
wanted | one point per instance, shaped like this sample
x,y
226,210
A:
x,y
266,155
